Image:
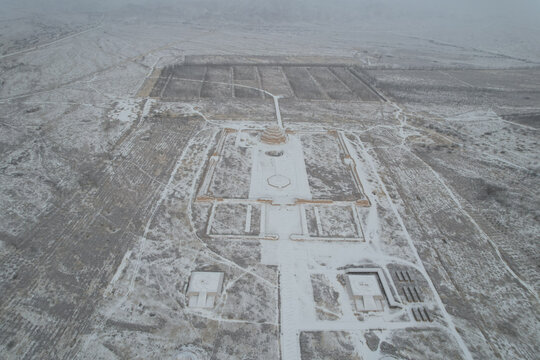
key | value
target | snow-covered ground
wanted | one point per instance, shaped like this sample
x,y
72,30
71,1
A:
x,y
420,168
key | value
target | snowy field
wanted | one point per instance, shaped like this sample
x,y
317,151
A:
x,y
399,219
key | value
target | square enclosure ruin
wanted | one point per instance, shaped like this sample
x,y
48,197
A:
x,y
238,155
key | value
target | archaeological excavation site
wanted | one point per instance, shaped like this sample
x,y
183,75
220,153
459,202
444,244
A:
x,y
189,192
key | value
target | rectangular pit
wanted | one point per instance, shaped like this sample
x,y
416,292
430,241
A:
x,y
231,178
333,86
274,81
302,83
317,82
217,82
235,219
352,81
329,177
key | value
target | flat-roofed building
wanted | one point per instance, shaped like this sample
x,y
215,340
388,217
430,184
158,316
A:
x,y
366,292
204,288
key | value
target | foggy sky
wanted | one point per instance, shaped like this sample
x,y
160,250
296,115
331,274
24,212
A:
x,y
524,12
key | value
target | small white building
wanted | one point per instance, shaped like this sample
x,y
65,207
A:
x,y
204,288
365,291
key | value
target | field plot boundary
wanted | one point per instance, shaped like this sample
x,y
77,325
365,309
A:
x,y
309,81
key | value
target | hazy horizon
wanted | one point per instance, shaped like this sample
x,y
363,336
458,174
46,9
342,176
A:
x,y
521,12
